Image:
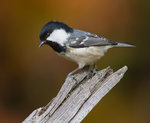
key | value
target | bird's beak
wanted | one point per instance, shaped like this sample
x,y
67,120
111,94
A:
x,y
42,42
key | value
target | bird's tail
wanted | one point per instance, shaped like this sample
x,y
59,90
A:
x,y
122,44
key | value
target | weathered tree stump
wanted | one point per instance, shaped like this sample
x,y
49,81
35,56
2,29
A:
x,y
77,97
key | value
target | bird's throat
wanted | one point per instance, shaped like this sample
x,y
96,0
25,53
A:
x,y
57,47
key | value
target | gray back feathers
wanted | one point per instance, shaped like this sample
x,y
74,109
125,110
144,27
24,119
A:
x,y
81,39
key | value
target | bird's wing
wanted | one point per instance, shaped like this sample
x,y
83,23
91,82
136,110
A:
x,y
88,39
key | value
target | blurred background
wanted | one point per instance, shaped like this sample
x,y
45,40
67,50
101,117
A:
x,y
31,76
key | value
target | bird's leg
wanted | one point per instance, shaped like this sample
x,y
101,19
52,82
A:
x,y
85,68
94,69
73,72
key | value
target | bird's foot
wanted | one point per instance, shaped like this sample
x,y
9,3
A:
x,y
94,69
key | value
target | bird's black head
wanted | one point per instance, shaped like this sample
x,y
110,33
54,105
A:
x,y
51,26
54,34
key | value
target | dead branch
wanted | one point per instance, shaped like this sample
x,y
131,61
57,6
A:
x,y
77,97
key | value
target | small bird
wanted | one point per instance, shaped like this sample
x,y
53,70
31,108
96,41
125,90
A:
x,y
82,47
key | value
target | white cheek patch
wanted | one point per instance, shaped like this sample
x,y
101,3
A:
x,y
59,35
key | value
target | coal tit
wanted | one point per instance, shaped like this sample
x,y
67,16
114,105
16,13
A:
x,y
82,47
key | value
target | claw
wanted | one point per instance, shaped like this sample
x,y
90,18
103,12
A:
x,y
94,69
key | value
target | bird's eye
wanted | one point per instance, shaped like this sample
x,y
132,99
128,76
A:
x,y
47,34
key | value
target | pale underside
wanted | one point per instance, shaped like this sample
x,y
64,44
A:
x,y
85,56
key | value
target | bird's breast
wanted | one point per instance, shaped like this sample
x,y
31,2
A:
x,y
85,56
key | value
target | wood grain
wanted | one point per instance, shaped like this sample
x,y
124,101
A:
x,y
77,97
